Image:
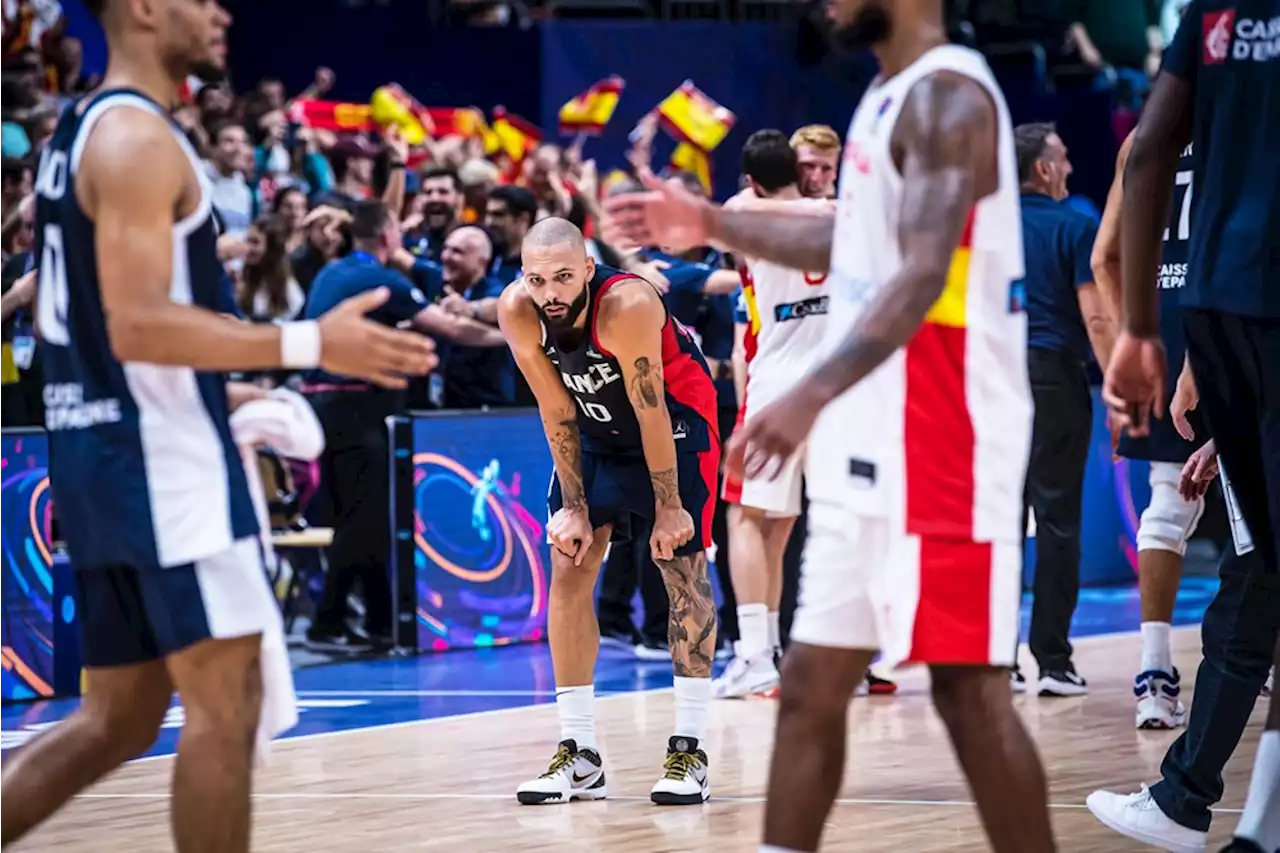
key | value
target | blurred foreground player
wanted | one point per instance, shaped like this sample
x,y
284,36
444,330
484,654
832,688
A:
x,y
151,492
630,414
915,468
1218,91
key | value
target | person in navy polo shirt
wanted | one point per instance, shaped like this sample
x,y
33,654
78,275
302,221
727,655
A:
x,y
353,413
1219,92
1066,324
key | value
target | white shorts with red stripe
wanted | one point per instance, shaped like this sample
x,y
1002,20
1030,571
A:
x,y
779,497
864,584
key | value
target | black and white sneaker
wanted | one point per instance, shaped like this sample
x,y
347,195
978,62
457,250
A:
x,y
684,779
574,774
1063,682
1017,681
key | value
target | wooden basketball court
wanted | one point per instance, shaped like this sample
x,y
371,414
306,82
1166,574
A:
x,y
448,784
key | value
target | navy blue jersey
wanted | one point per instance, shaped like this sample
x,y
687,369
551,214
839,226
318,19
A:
x,y
143,467
593,377
1164,444
1228,51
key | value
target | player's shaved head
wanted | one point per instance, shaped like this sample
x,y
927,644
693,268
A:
x,y
554,231
557,271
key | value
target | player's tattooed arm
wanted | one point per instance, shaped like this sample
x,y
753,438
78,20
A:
x,y
519,324
630,317
691,620
945,145
800,240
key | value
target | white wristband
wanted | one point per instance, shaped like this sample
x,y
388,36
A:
x,y
300,345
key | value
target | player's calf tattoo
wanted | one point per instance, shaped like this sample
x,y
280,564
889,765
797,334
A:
x,y
691,625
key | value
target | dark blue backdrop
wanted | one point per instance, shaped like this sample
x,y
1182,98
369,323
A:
x,y
751,68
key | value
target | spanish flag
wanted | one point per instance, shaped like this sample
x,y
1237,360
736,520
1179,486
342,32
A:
x,y
690,116
690,158
589,112
516,136
332,115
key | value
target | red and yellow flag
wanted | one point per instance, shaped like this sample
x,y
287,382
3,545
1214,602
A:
x,y
690,116
516,136
332,115
590,111
690,158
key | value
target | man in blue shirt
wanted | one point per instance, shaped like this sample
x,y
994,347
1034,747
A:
x,y
1220,93
353,413
1066,324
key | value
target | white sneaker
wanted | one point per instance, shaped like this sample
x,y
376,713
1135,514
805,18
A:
x,y
747,677
1138,817
685,782
574,774
1157,694
1017,681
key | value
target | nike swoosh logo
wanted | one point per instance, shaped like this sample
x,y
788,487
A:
x,y
580,779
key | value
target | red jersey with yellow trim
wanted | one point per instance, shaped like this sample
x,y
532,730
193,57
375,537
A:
x,y
786,321
937,438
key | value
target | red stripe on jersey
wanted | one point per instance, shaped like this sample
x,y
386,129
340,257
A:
x,y
751,338
938,435
687,379
966,236
595,306
953,613
709,468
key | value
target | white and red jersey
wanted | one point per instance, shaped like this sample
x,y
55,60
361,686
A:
x,y
786,321
937,438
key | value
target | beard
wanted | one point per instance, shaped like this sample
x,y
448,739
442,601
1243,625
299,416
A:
x,y
564,323
209,73
871,25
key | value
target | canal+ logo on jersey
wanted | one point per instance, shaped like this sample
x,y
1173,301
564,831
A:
x,y
1217,35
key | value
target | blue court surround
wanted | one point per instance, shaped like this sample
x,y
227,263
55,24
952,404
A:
x,y
365,694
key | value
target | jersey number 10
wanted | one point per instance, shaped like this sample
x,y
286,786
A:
x,y
595,411
1181,180
53,295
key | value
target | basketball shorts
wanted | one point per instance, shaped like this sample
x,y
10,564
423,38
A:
x,y
619,492
133,615
779,497
864,584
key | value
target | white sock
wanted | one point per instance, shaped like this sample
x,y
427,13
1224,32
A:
x,y
1155,647
775,632
753,629
577,707
1260,821
693,699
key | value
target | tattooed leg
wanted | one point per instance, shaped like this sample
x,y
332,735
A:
x,y
691,625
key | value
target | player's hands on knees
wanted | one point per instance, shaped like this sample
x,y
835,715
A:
x,y
353,345
1199,472
570,532
672,527
1185,398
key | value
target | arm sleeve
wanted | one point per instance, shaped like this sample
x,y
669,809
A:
x,y
688,278
428,277
405,300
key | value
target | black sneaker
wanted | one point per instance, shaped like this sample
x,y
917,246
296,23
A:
x,y
345,642
1242,845
1062,682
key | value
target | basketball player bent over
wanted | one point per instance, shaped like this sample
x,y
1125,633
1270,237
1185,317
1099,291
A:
x,y
630,413
786,311
915,468
149,486
1169,519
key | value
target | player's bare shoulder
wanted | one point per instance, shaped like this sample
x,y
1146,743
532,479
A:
x,y
630,306
949,120
131,152
517,315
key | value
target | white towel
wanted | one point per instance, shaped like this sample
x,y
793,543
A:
x,y
285,421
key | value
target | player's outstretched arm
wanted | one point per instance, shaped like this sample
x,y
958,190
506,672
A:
x,y
131,182
518,321
948,138
1105,259
630,320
